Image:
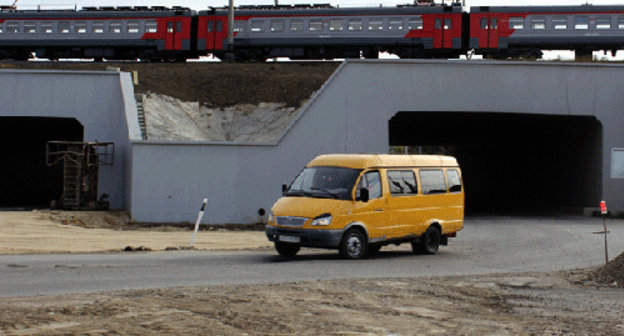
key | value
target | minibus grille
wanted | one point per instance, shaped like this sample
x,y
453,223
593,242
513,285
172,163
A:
x,y
290,221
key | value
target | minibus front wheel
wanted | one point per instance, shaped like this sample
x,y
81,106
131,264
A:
x,y
353,244
287,250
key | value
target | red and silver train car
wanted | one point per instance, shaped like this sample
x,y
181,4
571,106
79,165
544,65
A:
x,y
502,32
328,32
112,33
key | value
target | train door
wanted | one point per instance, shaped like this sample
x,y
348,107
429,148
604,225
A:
x,y
442,26
216,33
489,24
210,36
173,39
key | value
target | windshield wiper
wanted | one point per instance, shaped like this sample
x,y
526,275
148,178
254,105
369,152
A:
x,y
332,194
298,193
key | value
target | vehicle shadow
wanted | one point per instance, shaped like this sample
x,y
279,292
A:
x,y
333,256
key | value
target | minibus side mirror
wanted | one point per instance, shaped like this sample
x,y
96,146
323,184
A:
x,y
363,195
284,188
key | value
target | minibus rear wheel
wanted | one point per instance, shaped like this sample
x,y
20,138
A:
x,y
287,250
428,243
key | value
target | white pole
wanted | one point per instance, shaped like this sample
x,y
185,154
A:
x,y
199,217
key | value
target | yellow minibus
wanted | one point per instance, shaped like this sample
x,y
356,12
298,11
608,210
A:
x,y
358,203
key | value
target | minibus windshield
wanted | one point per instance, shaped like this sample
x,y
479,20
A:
x,y
324,182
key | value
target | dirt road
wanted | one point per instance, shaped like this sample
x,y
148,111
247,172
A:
x,y
83,231
524,304
561,303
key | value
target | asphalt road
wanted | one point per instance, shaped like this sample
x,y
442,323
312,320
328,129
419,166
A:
x,y
486,245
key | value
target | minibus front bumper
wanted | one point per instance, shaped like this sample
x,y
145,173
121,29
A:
x,y
305,237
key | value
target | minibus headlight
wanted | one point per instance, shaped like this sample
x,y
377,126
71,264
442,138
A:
x,y
322,220
270,219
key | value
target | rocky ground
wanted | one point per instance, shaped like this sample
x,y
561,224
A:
x,y
580,302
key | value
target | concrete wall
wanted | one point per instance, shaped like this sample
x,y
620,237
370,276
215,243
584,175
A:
x,y
95,99
351,113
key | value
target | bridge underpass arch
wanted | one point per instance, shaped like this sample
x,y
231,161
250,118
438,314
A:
x,y
512,162
25,179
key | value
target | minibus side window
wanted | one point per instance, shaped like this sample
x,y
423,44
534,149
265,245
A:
x,y
402,182
432,181
371,181
453,180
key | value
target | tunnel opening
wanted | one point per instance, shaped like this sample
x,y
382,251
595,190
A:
x,y
512,163
25,179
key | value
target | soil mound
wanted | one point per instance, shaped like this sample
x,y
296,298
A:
x,y
169,118
213,84
612,273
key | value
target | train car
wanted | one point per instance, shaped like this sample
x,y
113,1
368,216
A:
x,y
502,32
324,32
113,33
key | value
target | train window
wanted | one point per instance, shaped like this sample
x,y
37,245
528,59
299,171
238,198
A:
x,y
97,27
277,25
30,27
375,24
114,27
438,24
178,27
494,23
296,25
538,23
414,24
132,27
316,25
151,27
47,27
336,24
219,26
12,27
484,23
239,25
448,24
80,27
581,22
395,24
355,24
209,26
63,27
169,27
560,23
257,25
516,23
621,22
603,23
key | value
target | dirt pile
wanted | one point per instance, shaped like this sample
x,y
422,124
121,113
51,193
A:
x,y
169,118
215,85
612,273
88,219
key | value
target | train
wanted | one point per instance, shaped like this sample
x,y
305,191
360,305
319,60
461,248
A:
x,y
419,30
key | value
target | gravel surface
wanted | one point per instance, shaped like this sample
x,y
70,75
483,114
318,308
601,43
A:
x,y
509,304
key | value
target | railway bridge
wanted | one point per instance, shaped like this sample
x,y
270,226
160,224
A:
x,y
530,136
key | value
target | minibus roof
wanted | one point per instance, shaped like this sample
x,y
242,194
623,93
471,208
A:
x,y
362,161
